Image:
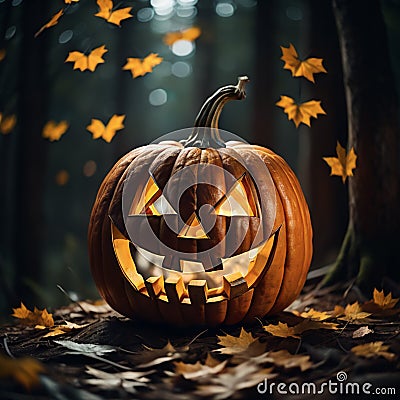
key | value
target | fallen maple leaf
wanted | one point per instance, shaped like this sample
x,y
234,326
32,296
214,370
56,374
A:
x,y
189,34
198,371
24,370
300,113
353,312
234,345
70,1
306,68
7,123
232,380
385,302
139,67
106,132
53,21
53,130
283,358
128,380
65,328
35,317
373,349
91,61
361,332
381,305
112,16
343,164
313,314
308,325
281,330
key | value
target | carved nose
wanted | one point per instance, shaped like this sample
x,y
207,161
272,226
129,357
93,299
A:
x,y
193,229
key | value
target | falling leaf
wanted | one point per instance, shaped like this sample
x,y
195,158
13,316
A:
x,y
227,384
300,113
139,67
343,164
189,34
235,345
53,21
306,68
85,348
24,370
198,371
112,16
373,349
128,380
106,132
281,330
65,328
7,123
2,54
283,358
361,332
91,61
353,312
313,314
53,130
32,318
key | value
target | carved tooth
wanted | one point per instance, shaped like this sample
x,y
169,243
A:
x,y
175,289
198,291
234,285
154,285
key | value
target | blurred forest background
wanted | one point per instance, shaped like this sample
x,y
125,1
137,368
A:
x,y
47,188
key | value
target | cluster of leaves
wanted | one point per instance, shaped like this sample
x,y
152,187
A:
x,y
343,164
219,366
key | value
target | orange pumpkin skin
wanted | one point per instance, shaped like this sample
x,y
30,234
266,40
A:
x,y
277,277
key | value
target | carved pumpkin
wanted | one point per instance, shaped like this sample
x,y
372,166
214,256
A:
x,y
200,231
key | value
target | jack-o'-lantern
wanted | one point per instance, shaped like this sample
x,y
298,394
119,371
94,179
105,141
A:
x,y
200,231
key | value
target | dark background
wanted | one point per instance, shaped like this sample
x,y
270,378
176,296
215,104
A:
x,y
43,219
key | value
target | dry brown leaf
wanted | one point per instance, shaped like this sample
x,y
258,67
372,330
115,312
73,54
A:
x,y
7,123
283,358
373,349
35,317
343,164
85,62
281,330
24,370
381,305
53,21
234,345
198,371
385,302
106,132
313,314
300,113
107,12
62,329
140,67
227,384
360,332
308,325
53,130
306,68
353,312
189,34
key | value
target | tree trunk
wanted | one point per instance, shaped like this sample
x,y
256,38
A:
x,y
31,158
370,249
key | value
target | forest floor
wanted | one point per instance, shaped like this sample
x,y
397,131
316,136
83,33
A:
x,y
331,343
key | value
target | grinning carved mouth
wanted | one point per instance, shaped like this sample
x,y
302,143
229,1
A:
x,y
145,271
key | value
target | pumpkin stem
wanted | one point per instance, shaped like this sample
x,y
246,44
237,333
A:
x,y
209,115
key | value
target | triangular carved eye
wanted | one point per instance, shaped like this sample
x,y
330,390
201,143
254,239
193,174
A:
x,y
235,202
151,201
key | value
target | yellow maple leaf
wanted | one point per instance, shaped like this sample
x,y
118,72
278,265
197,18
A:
x,y
113,17
7,123
53,21
53,130
91,61
2,54
306,68
281,330
24,370
343,164
313,314
65,328
300,113
189,34
139,67
234,345
35,317
107,132
373,349
282,358
354,312
385,302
